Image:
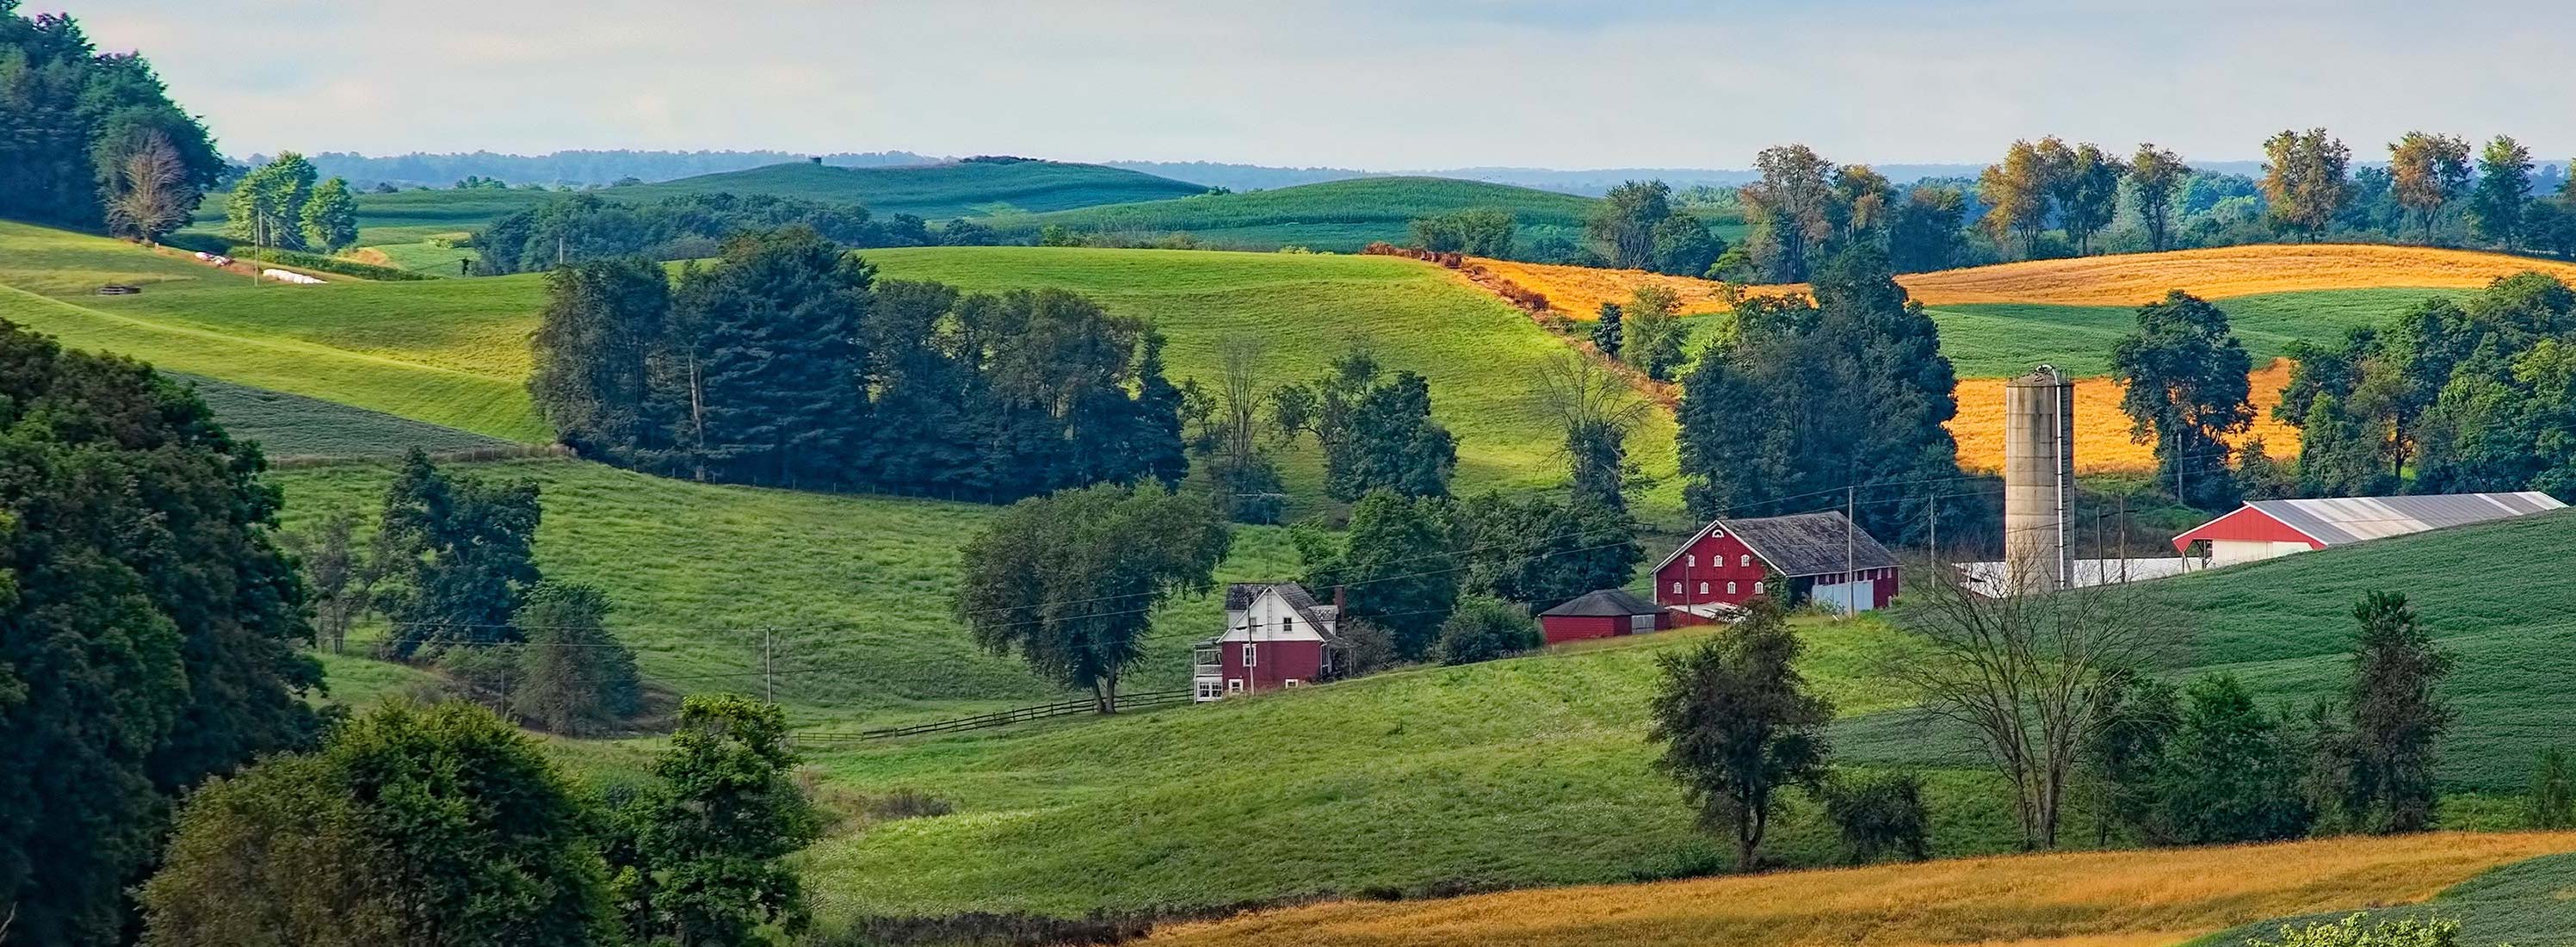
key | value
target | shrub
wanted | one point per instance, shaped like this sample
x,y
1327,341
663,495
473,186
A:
x,y
2552,803
2351,932
327,264
1483,629
1365,647
1879,814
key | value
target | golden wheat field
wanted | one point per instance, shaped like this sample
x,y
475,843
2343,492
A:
x,y
2126,279
2092,899
2101,431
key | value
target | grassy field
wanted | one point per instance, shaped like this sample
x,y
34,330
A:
x,y
856,589
1522,772
294,427
2522,903
2122,899
1340,216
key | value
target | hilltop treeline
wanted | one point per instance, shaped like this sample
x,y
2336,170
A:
x,y
91,140
578,167
587,227
787,363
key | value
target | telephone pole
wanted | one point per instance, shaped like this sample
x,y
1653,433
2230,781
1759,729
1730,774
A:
x,y
1851,522
768,679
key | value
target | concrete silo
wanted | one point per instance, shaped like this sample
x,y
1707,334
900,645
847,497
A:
x,y
2039,478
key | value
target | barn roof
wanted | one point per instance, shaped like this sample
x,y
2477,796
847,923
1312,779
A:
x,y
1605,603
2353,519
1239,596
1807,544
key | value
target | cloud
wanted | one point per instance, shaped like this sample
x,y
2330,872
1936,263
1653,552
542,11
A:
x,y
1341,82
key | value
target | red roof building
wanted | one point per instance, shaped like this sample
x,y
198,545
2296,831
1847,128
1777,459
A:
x,y
2265,529
1823,557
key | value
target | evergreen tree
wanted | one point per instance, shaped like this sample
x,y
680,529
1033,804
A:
x,y
709,840
1606,330
2397,716
1395,567
593,348
1387,440
329,218
1156,451
2186,389
457,554
148,626
1738,726
777,374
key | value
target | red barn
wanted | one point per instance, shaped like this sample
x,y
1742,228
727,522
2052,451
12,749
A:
x,y
1276,636
1603,614
1823,556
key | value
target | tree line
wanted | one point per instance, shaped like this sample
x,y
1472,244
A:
x,y
785,362
278,205
91,140
587,226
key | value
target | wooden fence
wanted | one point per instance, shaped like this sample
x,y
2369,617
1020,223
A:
x,y
998,718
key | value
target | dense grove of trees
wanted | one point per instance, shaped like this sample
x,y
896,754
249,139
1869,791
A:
x,y
1809,397
442,826
786,363
91,140
148,627
586,226
278,205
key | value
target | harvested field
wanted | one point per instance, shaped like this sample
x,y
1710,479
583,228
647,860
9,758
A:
x,y
1579,291
2101,431
2094,899
2221,272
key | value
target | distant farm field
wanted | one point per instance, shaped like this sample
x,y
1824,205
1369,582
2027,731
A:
x,y
293,427
1341,216
2103,899
2221,272
2101,430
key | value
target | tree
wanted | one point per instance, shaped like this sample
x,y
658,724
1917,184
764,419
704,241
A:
x,y
2157,175
2551,803
2125,758
2427,171
574,677
416,826
1483,629
2504,188
1606,329
2397,716
772,336
593,352
2228,776
146,189
1792,210
268,203
1540,552
148,625
1924,232
709,840
1395,565
2087,190
1878,814
1766,411
1071,580
1654,332
456,553
2184,374
2032,675
329,217
71,118
1478,232
1738,726
1243,473
1682,246
2015,193
1596,410
337,575
2303,179
1377,433
1625,222
1154,450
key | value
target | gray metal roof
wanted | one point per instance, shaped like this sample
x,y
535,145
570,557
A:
x,y
1807,544
2354,519
1604,603
1239,596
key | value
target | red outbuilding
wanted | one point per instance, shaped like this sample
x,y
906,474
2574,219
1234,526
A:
x,y
1824,558
2264,529
1607,613
1276,636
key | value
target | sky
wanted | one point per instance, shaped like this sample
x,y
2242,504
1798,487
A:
x,y
1380,85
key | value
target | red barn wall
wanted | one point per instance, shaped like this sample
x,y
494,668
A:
x,y
1279,662
1563,628
1711,561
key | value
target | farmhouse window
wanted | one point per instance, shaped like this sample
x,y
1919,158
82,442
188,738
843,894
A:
x,y
1292,682
1703,588
1691,560
1742,560
1234,685
1251,654
1757,588
1730,588
1677,588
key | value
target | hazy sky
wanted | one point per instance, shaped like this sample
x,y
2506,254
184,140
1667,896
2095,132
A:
x,y
1384,85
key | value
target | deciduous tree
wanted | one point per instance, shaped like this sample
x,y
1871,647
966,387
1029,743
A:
x,y
2186,388
457,554
2229,776
2087,191
2015,193
2156,176
1625,222
2303,179
1792,209
146,187
2426,171
1738,726
329,218
2504,188
268,203
574,676
2398,716
711,836
1395,565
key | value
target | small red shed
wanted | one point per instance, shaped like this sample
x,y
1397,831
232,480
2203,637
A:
x,y
1603,614
1824,557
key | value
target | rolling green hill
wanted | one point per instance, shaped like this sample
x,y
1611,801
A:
x,y
2522,903
294,427
933,192
1340,216
1987,340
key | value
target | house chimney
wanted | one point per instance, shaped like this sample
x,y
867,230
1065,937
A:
x,y
1339,602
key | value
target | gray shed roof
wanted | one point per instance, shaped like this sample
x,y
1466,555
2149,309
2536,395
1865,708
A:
x,y
1604,603
2354,519
1807,544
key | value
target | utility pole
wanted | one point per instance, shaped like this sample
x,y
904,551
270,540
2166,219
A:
x,y
1851,582
2124,538
768,680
